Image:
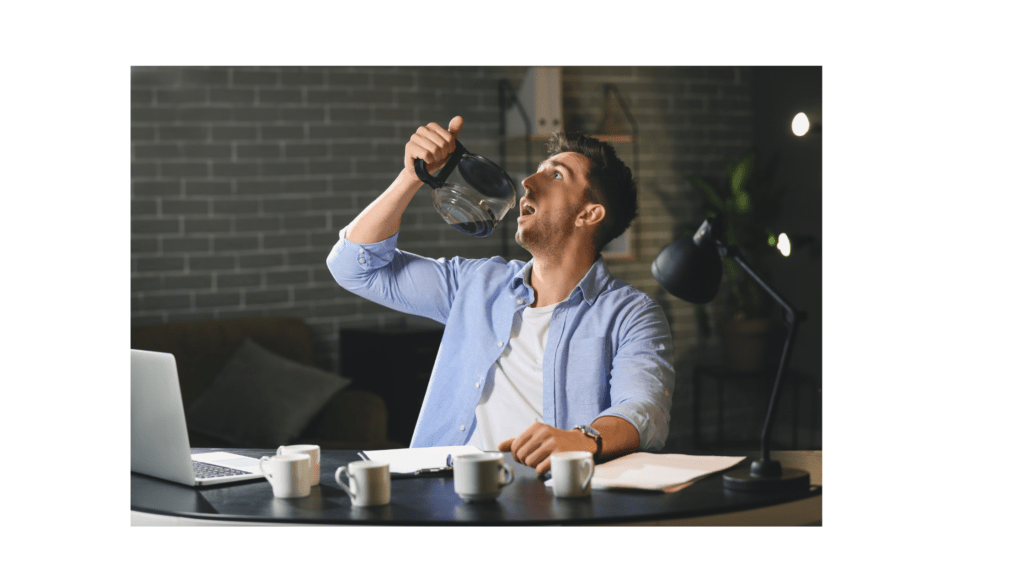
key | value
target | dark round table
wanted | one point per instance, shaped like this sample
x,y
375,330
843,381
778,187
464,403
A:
x,y
431,501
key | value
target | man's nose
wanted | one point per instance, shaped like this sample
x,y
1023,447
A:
x,y
527,182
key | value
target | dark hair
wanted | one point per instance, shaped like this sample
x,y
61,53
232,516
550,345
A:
x,y
610,182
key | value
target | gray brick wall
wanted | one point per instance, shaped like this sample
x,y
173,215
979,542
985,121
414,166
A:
x,y
242,177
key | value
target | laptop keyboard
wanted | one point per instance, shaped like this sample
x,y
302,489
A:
x,y
205,471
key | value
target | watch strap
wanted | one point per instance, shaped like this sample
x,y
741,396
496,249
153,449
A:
x,y
591,433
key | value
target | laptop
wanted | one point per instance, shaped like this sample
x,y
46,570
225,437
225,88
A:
x,y
160,444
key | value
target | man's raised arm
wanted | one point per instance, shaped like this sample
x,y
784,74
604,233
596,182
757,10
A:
x,y
382,218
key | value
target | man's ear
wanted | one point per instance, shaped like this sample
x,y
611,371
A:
x,y
592,215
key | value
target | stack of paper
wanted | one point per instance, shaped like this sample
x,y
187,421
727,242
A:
x,y
666,472
413,460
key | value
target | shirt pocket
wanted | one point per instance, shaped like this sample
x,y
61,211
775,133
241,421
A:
x,y
586,371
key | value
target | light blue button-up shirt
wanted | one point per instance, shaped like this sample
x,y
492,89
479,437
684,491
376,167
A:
x,y
609,349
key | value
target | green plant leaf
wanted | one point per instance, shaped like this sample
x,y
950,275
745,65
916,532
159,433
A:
x,y
740,175
742,215
743,203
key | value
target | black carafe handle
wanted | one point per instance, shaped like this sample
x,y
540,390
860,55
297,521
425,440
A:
x,y
437,181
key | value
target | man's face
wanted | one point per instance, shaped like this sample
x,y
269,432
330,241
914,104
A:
x,y
554,198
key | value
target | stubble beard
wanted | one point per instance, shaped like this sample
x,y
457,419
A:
x,y
543,237
525,240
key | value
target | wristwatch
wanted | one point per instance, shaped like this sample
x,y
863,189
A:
x,y
591,433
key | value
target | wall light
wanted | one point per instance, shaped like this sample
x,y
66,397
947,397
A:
x,y
801,124
784,245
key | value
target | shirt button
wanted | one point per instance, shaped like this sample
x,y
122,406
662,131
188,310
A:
x,y
500,344
361,250
462,427
362,261
477,384
519,301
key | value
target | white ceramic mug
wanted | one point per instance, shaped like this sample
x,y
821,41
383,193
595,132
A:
x,y
480,477
288,474
369,482
314,459
571,473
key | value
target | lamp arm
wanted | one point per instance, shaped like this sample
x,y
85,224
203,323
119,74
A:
x,y
793,318
791,315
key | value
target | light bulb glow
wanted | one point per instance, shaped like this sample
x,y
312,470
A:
x,y
801,124
784,245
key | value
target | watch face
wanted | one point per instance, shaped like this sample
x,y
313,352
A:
x,y
589,430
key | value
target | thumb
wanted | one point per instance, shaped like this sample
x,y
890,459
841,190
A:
x,y
455,126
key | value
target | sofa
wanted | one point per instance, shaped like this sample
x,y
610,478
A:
x,y
252,383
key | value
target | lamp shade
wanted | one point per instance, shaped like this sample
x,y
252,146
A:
x,y
690,268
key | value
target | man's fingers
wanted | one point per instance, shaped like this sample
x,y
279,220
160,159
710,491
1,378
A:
x,y
534,452
506,446
536,458
544,467
439,136
518,442
431,144
414,151
438,143
455,126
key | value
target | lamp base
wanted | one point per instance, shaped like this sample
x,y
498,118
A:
x,y
786,480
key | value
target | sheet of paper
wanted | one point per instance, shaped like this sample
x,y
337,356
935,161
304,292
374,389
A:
x,y
667,472
409,460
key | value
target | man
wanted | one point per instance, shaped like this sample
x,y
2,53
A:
x,y
540,357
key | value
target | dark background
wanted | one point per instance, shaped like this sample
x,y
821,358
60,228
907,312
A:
x,y
243,176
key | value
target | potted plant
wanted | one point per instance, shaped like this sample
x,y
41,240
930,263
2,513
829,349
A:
x,y
742,308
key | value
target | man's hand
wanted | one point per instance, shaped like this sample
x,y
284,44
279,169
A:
x,y
539,441
433,144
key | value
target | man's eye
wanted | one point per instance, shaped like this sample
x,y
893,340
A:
x,y
558,174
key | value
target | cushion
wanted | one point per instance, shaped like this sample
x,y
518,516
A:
x,y
260,399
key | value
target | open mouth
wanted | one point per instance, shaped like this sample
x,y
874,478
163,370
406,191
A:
x,y
526,209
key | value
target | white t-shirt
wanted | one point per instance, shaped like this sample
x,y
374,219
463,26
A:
x,y
514,399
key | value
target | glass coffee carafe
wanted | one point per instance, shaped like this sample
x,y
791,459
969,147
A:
x,y
471,193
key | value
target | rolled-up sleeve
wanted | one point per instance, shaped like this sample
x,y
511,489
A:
x,y
390,277
643,376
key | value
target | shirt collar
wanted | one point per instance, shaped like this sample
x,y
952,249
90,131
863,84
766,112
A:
x,y
520,277
595,280
592,283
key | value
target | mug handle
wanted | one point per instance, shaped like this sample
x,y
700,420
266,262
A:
x,y
280,450
344,485
264,472
510,473
590,473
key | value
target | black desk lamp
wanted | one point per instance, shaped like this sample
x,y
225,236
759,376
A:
x,y
691,268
